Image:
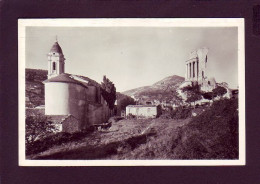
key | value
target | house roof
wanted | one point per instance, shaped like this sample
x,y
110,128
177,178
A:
x,y
58,118
65,78
142,105
56,48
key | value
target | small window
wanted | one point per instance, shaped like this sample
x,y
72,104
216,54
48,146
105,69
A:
x,y
54,66
209,82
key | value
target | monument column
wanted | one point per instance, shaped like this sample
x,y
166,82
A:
x,y
196,72
190,69
185,71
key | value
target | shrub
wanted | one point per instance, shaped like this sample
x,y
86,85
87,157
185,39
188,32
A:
x,y
211,135
37,127
52,140
219,91
180,113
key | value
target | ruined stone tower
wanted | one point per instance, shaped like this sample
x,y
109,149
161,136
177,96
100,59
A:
x,y
196,70
196,65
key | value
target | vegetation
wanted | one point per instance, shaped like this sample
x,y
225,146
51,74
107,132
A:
x,y
181,113
37,127
53,140
36,75
219,91
193,93
122,102
108,91
208,95
34,87
211,135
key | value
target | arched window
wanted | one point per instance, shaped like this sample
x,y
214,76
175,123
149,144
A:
x,y
54,66
202,74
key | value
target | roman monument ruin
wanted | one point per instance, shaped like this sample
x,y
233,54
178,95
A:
x,y
196,70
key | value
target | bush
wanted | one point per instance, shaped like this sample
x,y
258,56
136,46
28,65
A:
x,y
52,140
37,127
180,113
211,135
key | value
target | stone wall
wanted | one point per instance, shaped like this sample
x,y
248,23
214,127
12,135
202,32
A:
x,y
71,125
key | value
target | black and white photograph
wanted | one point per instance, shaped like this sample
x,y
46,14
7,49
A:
x,y
131,92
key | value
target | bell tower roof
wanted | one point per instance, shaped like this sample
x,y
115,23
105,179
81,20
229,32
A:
x,y
56,48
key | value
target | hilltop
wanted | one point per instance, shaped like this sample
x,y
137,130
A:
x,y
161,90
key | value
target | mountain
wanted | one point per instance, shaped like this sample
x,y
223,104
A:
x,y
161,90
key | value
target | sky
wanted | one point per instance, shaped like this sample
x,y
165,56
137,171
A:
x,y
132,57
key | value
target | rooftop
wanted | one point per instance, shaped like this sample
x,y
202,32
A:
x,y
65,78
56,48
142,105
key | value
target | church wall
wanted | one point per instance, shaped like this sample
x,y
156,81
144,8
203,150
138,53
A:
x,y
91,94
64,99
98,114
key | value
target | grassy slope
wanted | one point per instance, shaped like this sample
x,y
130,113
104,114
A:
x,y
211,135
124,137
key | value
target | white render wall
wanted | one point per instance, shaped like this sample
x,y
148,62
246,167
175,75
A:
x,y
65,99
142,111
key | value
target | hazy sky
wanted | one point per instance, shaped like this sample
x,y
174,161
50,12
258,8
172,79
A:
x,y
135,56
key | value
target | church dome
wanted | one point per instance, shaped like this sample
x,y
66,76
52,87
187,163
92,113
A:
x,y
56,48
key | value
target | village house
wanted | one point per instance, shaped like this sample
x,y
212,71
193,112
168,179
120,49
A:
x,y
75,102
143,111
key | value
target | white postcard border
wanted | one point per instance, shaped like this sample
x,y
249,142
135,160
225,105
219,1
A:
x,y
140,22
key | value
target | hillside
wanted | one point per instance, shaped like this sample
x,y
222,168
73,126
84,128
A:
x,y
161,90
34,88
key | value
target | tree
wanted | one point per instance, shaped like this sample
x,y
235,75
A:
x,y
37,127
108,91
176,98
123,101
193,97
173,95
208,95
219,91
193,93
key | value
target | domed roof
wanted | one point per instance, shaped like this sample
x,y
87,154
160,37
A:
x,y
65,78
56,48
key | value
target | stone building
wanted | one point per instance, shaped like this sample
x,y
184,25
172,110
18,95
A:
x,y
79,98
143,111
196,70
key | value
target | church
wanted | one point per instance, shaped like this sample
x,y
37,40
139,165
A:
x,y
75,102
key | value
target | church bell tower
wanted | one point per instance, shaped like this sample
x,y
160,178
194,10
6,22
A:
x,y
56,61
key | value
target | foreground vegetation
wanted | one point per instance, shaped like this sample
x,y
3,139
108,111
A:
x,y
213,134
